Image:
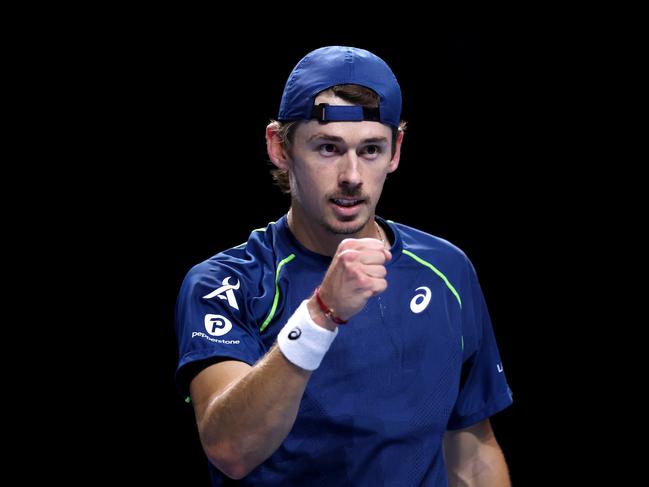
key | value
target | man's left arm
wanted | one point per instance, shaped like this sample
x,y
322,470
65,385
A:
x,y
474,458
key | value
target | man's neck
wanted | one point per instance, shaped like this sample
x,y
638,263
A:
x,y
318,239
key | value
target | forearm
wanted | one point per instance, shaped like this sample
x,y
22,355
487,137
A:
x,y
485,469
474,458
484,478
245,424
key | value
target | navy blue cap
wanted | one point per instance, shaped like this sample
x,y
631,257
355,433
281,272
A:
x,y
340,65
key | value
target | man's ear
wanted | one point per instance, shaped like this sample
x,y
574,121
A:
x,y
274,147
394,163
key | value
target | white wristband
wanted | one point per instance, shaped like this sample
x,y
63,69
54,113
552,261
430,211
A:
x,y
302,341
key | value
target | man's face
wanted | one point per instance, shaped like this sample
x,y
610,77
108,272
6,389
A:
x,y
338,170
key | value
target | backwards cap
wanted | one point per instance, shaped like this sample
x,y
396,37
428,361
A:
x,y
340,65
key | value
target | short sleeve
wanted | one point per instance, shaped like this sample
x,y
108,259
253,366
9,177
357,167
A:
x,y
211,323
483,387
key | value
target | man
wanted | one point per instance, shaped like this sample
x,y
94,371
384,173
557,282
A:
x,y
335,347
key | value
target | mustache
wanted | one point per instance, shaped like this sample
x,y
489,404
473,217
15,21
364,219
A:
x,y
355,193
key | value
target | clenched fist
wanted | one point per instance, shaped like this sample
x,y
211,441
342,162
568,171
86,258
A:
x,y
357,272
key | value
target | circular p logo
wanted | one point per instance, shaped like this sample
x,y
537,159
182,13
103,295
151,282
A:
x,y
217,325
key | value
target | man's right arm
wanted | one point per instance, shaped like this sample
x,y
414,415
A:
x,y
244,413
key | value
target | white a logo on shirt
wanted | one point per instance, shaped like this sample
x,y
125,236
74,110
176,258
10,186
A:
x,y
228,290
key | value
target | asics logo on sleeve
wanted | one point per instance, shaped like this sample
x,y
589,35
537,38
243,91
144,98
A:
x,y
420,301
227,289
217,325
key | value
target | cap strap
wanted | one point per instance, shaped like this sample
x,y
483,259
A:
x,y
345,113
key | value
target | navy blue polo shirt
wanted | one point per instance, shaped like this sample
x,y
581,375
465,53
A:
x,y
419,359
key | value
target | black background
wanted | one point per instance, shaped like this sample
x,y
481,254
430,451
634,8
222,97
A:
x,y
183,173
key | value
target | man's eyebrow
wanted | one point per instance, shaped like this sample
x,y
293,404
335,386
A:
x,y
376,140
335,138
332,138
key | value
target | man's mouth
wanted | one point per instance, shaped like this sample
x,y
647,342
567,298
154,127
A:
x,y
347,202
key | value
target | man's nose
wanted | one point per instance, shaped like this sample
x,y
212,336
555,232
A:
x,y
350,174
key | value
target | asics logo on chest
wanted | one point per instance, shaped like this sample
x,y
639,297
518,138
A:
x,y
420,301
227,289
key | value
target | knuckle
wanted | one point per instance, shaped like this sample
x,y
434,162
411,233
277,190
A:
x,y
348,255
362,281
350,266
357,276
346,243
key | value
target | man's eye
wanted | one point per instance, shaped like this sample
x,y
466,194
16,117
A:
x,y
372,150
327,149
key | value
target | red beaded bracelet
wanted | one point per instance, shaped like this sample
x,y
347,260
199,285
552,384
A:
x,y
328,312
